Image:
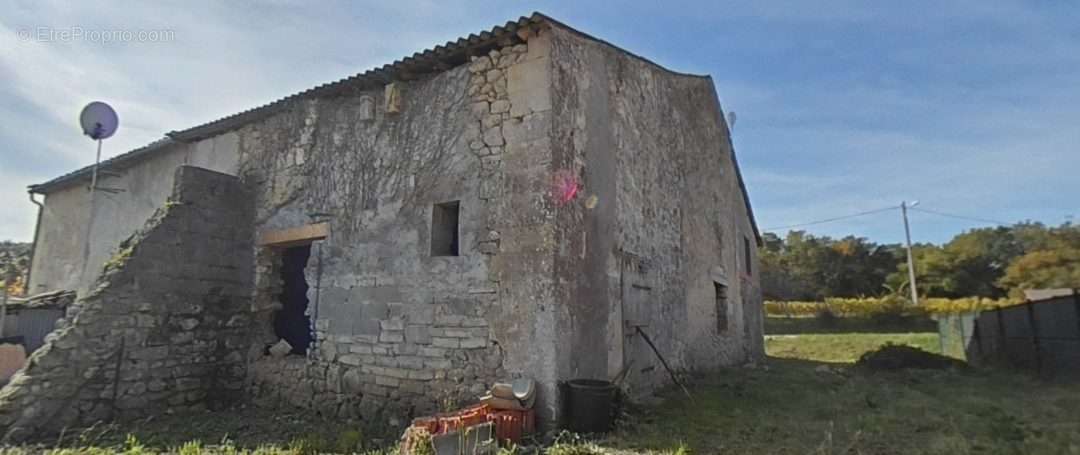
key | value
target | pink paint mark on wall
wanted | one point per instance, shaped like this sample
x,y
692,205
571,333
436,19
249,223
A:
x,y
565,186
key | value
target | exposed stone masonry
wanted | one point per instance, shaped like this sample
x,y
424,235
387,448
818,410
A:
x,y
172,321
386,347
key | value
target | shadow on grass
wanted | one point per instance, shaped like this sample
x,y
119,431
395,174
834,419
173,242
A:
x,y
807,325
804,406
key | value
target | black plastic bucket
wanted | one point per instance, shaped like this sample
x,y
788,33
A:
x,y
590,405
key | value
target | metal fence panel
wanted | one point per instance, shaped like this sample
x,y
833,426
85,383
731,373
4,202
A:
x,y
1042,336
1057,319
33,324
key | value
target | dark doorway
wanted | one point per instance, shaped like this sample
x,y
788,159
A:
x,y
290,322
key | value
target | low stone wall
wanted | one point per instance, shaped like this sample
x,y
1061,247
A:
x,y
165,328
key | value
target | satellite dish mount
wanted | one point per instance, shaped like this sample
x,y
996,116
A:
x,y
99,121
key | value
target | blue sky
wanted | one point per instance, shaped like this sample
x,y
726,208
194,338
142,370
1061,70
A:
x,y
971,107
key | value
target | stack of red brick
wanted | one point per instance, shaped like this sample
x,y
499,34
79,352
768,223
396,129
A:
x,y
510,425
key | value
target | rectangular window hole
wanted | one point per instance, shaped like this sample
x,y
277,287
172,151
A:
x,y
748,253
721,307
444,229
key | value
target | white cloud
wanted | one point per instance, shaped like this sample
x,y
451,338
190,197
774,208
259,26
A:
x,y
828,124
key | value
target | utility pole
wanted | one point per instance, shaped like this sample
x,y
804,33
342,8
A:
x,y
910,258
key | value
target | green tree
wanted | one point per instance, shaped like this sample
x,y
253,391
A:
x,y
1043,269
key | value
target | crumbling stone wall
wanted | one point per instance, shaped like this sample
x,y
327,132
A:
x,y
165,327
399,331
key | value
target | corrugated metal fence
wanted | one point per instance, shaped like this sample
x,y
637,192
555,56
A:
x,y
32,324
1041,336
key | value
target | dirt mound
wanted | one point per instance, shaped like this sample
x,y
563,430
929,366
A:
x,y
899,357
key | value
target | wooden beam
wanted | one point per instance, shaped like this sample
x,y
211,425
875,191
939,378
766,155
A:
x,y
283,238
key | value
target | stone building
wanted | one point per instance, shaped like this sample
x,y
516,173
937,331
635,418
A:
x,y
512,204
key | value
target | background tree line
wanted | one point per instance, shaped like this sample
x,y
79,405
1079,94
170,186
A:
x,y
14,261
985,262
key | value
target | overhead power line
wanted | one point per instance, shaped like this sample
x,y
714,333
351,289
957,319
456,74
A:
x,y
960,217
829,220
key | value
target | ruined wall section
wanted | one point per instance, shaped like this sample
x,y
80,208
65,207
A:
x,y
142,188
398,329
165,327
668,216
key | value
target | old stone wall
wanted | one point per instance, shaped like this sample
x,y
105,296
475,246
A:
x,y
165,327
398,329
661,218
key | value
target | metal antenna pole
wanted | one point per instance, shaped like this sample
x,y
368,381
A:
x,y
93,213
93,175
910,258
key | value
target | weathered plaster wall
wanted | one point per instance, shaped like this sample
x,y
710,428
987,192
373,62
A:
x,y
398,329
164,328
145,186
668,217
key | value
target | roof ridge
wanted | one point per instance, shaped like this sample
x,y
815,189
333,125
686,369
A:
x,y
428,61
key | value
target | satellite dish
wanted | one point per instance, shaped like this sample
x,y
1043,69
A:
x,y
98,120
731,119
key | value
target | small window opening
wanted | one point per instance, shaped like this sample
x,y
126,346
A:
x,y
721,307
748,255
444,229
291,322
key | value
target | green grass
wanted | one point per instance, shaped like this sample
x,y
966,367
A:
x,y
809,399
812,402
802,325
243,430
846,347
797,407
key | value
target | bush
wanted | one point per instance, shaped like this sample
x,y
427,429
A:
x,y
888,308
826,317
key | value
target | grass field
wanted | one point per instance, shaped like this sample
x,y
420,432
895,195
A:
x,y
843,347
807,399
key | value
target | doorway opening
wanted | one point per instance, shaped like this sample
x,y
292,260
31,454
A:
x,y
292,322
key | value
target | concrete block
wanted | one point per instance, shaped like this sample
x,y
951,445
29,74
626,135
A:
x,y
352,359
397,373
432,352
392,324
419,313
473,343
441,342
422,375
449,320
417,334
410,362
392,336
438,364
366,327
528,86
387,381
